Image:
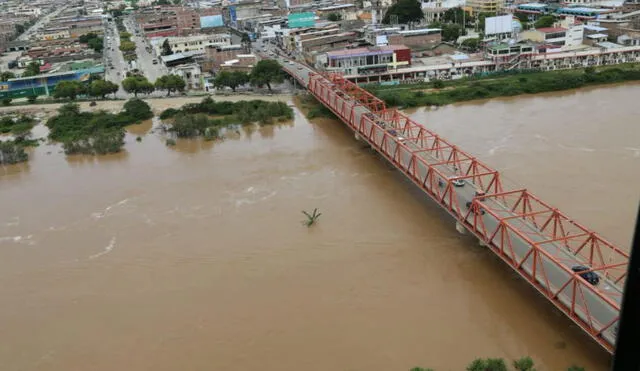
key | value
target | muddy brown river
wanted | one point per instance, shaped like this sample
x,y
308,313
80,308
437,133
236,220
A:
x,y
194,257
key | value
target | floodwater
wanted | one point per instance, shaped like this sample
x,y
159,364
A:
x,y
194,257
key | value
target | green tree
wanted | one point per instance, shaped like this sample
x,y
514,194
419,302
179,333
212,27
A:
x,y
69,89
451,32
137,84
166,48
406,10
471,44
33,69
6,75
230,79
32,99
127,46
454,15
125,35
100,88
96,44
489,364
334,17
544,21
137,109
170,83
19,29
266,72
86,37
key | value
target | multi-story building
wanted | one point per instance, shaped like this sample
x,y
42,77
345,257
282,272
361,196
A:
x,y
193,43
366,60
216,56
485,6
188,19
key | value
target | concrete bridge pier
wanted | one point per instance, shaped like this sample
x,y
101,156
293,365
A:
x,y
460,228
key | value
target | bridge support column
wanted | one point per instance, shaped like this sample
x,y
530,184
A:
x,y
357,136
482,243
460,228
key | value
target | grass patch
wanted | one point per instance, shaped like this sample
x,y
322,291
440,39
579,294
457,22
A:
x,y
501,85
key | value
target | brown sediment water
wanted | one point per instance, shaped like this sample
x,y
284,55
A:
x,y
194,257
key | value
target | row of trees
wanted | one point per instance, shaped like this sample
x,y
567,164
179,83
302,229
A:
x,y
140,85
264,73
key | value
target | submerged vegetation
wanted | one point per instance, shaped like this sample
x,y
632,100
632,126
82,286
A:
x,y
12,151
438,93
98,132
499,364
314,108
311,218
208,117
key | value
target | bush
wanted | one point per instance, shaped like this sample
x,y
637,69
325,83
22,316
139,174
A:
x,y
95,132
32,99
137,110
6,101
438,84
169,113
12,153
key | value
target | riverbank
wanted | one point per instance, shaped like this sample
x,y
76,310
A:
x,y
439,93
157,104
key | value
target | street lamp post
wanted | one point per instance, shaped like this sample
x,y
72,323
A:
x,y
627,354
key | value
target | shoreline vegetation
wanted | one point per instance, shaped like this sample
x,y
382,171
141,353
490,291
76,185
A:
x,y
499,364
209,118
19,126
95,133
440,93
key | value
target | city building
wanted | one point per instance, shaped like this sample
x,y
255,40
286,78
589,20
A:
x,y
485,6
215,56
365,60
347,12
242,62
416,39
44,84
183,44
190,73
549,35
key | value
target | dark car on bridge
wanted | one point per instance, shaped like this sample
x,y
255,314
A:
x,y
587,274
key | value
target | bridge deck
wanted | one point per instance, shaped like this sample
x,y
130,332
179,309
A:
x,y
538,241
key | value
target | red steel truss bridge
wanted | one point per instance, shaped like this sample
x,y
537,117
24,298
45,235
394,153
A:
x,y
576,269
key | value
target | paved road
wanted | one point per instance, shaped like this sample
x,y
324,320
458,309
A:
x,y
112,57
145,58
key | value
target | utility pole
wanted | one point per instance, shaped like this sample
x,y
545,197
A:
x,y
627,356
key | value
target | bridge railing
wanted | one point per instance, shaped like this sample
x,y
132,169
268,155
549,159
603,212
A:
x,y
535,239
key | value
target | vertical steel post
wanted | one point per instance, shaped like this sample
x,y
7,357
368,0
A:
x,y
627,354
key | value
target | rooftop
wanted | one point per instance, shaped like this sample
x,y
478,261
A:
x,y
597,36
551,29
534,5
336,7
364,51
421,31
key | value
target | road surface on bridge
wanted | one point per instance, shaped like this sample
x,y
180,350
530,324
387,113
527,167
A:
x,y
538,241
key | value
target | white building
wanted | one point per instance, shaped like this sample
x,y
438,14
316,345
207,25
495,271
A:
x,y
191,43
